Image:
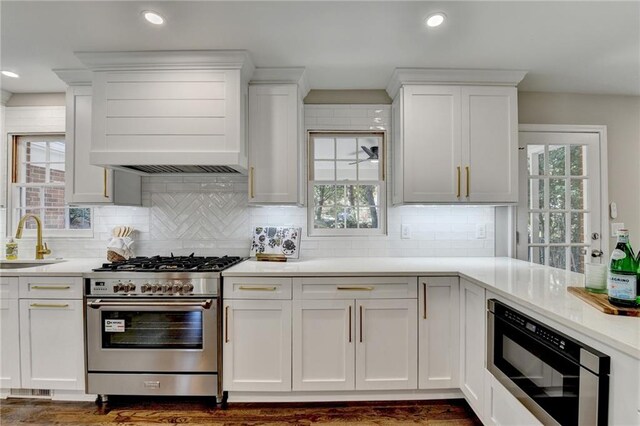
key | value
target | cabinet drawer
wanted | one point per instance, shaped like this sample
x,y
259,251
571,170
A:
x,y
256,288
8,288
51,287
356,288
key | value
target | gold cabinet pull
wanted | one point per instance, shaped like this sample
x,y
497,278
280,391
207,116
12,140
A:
x,y
50,287
226,324
349,323
105,183
468,170
255,288
355,288
360,323
49,305
424,301
251,191
459,184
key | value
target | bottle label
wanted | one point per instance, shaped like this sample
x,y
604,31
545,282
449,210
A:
x,y
622,286
618,254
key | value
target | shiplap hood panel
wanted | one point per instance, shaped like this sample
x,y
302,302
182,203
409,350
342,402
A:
x,y
169,111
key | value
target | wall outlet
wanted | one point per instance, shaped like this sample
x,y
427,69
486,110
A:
x,y
481,231
405,233
615,227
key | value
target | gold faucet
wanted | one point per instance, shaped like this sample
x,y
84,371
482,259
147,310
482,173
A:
x,y
41,249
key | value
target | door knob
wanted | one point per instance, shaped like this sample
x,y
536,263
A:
x,y
596,253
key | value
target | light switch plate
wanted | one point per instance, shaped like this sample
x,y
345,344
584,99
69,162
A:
x,y
481,231
405,233
615,227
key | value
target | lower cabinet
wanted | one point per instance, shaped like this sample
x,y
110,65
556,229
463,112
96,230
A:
x,y
257,345
9,334
438,332
472,344
51,344
502,408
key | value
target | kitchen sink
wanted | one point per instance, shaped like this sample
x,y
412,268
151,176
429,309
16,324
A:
x,y
19,264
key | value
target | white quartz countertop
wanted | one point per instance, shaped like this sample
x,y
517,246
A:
x,y
539,288
66,268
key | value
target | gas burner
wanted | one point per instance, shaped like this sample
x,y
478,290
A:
x,y
172,264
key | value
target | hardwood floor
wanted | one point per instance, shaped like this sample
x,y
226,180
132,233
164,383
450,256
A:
x,y
142,411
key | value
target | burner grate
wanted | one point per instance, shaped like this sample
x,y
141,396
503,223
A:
x,y
172,264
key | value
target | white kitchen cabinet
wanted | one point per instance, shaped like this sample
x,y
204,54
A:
x,y
9,334
502,408
454,143
438,332
85,183
324,342
473,338
51,344
386,346
257,345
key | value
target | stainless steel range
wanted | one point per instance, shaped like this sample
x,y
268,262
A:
x,y
153,327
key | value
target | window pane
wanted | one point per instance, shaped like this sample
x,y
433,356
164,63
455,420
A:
x,y
536,228
324,170
367,195
557,228
368,170
324,195
345,195
35,152
536,255
578,230
536,193
54,197
31,197
79,218
557,157
578,191
324,217
557,194
346,149
368,217
56,172
35,173
578,160
345,170
535,159
577,259
347,218
54,218
557,257
324,148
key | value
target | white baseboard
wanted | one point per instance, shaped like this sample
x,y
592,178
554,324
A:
x,y
344,396
59,395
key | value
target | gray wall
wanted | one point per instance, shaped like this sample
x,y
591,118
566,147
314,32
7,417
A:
x,y
621,115
36,99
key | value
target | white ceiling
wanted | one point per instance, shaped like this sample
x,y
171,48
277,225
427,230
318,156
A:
x,y
584,47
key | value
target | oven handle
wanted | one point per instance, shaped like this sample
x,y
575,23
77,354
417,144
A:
x,y
206,304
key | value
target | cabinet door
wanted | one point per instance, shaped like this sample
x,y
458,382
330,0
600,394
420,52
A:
x,y
51,344
432,145
472,344
323,345
504,409
273,143
257,345
438,333
386,344
490,144
9,344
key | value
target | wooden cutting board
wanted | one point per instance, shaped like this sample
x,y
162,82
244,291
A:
x,y
601,302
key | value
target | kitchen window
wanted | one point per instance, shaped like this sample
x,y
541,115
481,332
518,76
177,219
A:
x,y
38,187
346,190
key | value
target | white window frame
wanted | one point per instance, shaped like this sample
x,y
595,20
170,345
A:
x,y
382,185
13,192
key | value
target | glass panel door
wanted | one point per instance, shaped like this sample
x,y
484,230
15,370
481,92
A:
x,y
559,210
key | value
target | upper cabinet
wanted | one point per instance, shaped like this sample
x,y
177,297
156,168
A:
x,y
169,112
85,183
454,143
276,136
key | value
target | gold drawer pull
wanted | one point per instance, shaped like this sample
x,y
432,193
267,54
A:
x,y
104,183
251,188
51,287
226,324
355,288
49,305
252,288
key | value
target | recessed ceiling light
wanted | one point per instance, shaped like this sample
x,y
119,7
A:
x,y
435,20
153,17
10,74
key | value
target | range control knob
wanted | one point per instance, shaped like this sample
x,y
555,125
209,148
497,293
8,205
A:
x,y
177,288
155,288
145,288
129,287
187,288
118,287
167,288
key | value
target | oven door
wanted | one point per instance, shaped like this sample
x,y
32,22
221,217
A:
x,y
544,380
128,335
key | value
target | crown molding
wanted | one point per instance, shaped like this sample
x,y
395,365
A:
x,y
295,75
167,59
74,77
5,95
402,76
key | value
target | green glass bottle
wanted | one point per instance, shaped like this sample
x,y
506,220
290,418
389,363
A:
x,y
622,282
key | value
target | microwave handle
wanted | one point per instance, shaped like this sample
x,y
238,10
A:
x,y
206,304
